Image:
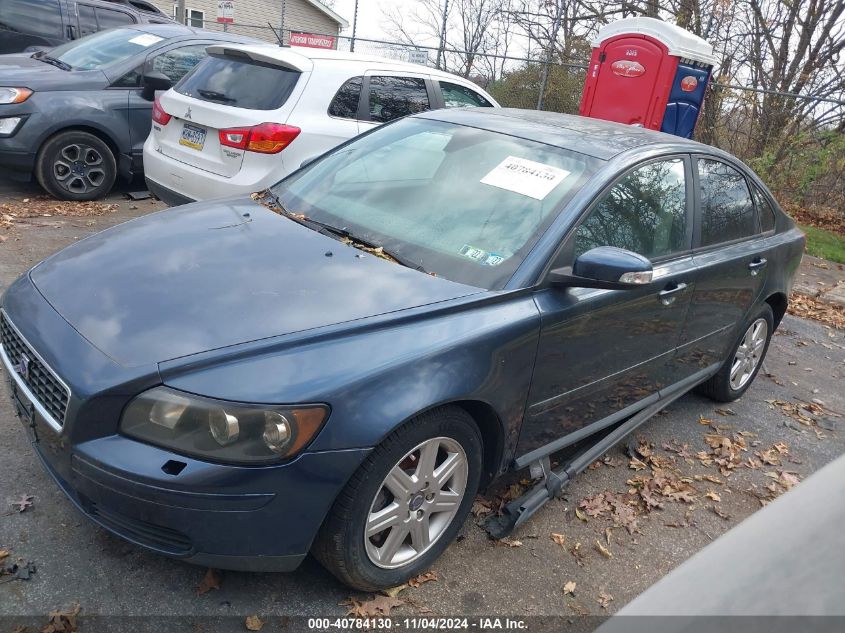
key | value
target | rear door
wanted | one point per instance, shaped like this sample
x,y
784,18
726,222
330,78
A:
x,y
731,271
228,91
390,95
603,351
26,23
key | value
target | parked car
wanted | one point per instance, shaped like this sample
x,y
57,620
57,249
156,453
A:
x,y
45,24
249,115
339,364
77,116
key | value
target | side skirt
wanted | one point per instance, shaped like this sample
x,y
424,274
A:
x,y
519,510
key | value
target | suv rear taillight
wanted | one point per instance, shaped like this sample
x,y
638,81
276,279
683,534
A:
x,y
159,115
267,138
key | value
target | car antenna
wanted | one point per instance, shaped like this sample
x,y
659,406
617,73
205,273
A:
x,y
278,37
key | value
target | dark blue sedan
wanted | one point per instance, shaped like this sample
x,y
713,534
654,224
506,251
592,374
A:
x,y
338,364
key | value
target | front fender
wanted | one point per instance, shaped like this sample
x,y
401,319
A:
x,y
377,376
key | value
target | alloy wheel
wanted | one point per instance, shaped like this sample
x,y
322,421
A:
x,y
78,168
748,354
416,502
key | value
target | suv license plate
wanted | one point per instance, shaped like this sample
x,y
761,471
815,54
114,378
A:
x,y
192,136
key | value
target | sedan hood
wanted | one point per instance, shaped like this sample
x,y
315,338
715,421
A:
x,y
20,69
206,276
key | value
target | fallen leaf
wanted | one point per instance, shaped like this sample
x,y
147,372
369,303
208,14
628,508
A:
x,y
422,578
23,503
509,542
3,553
395,591
253,623
63,620
725,412
560,539
604,599
580,515
569,588
481,507
713,495
378,606
210,581
719,513
603,550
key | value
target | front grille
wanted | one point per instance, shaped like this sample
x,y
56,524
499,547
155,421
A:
x,y
44,385
149,534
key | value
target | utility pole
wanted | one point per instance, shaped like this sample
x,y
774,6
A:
x,y
354,28
544,81
180,12
441,49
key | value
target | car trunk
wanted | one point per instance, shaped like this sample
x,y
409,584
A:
x,y
232,89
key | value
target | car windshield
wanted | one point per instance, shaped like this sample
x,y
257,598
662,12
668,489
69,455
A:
x,y
102,49
463,203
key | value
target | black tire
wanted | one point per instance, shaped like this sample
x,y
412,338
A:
x,y
76,165
340,544
719,387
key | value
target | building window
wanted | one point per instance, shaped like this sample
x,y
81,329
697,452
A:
x,y
193,17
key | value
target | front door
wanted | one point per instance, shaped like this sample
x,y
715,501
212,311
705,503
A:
x,y
602,351
730,275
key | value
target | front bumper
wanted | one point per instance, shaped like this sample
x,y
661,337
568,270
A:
x,y
255,518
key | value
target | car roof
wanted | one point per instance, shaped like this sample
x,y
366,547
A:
x,y
174,29
593,137
304,58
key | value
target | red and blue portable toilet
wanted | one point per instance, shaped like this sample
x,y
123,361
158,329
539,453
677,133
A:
x,y
644,71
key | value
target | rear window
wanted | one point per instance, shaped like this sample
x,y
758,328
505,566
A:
x,y
240,83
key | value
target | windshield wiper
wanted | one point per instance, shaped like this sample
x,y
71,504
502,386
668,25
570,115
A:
x,y
369,246
216,96
58,63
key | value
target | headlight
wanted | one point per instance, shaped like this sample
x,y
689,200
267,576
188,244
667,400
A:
x,y
219,430
14,95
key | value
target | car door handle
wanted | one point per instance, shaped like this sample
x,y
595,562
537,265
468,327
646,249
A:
x,y
757,265
667,295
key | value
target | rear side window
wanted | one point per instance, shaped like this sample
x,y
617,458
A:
x,y
87,20
645,212
457,96
108,19
345,102
240,83
37,17
394,97
727,212
764,210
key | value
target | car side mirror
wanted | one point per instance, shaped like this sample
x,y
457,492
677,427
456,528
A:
x,y
153,82
605,267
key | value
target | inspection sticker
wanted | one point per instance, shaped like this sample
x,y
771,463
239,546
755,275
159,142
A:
x,y
481,256
525,177
147,39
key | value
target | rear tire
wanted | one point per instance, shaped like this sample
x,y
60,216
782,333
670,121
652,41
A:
x,y
745,359
414,491
76,165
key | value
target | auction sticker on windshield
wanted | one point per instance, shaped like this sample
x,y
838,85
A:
x,y
525,177
147,39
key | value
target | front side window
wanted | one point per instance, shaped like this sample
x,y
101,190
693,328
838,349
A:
x,y
176,63
394,97
240,82
463,203
457,96
646,212
105,48
108,19
727,212
38,17
345,102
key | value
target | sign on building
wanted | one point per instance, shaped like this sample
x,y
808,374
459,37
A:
x,y
226,11
418,57
311,40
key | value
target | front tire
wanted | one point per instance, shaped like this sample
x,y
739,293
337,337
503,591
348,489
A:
x,y
745,360
405,504
77,166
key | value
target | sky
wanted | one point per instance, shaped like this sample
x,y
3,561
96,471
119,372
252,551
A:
x,y
370,15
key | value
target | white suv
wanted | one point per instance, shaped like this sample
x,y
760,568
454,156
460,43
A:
x,y
249,115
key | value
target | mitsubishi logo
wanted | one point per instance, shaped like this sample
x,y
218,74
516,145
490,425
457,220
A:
x,y
188,114
23,366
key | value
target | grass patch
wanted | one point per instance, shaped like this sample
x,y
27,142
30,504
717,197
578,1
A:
x,y
825,244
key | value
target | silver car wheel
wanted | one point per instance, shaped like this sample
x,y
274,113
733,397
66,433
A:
x,y
416,502
79,168
748,354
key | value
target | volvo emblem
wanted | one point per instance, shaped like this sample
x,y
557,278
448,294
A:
x,y
23,366
188,114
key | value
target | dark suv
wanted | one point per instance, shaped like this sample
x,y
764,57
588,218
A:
x,y
47,23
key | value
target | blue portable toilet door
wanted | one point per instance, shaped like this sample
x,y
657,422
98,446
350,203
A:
x,y
685,99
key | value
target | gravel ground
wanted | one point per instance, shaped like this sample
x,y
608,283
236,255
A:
x,y
78,562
